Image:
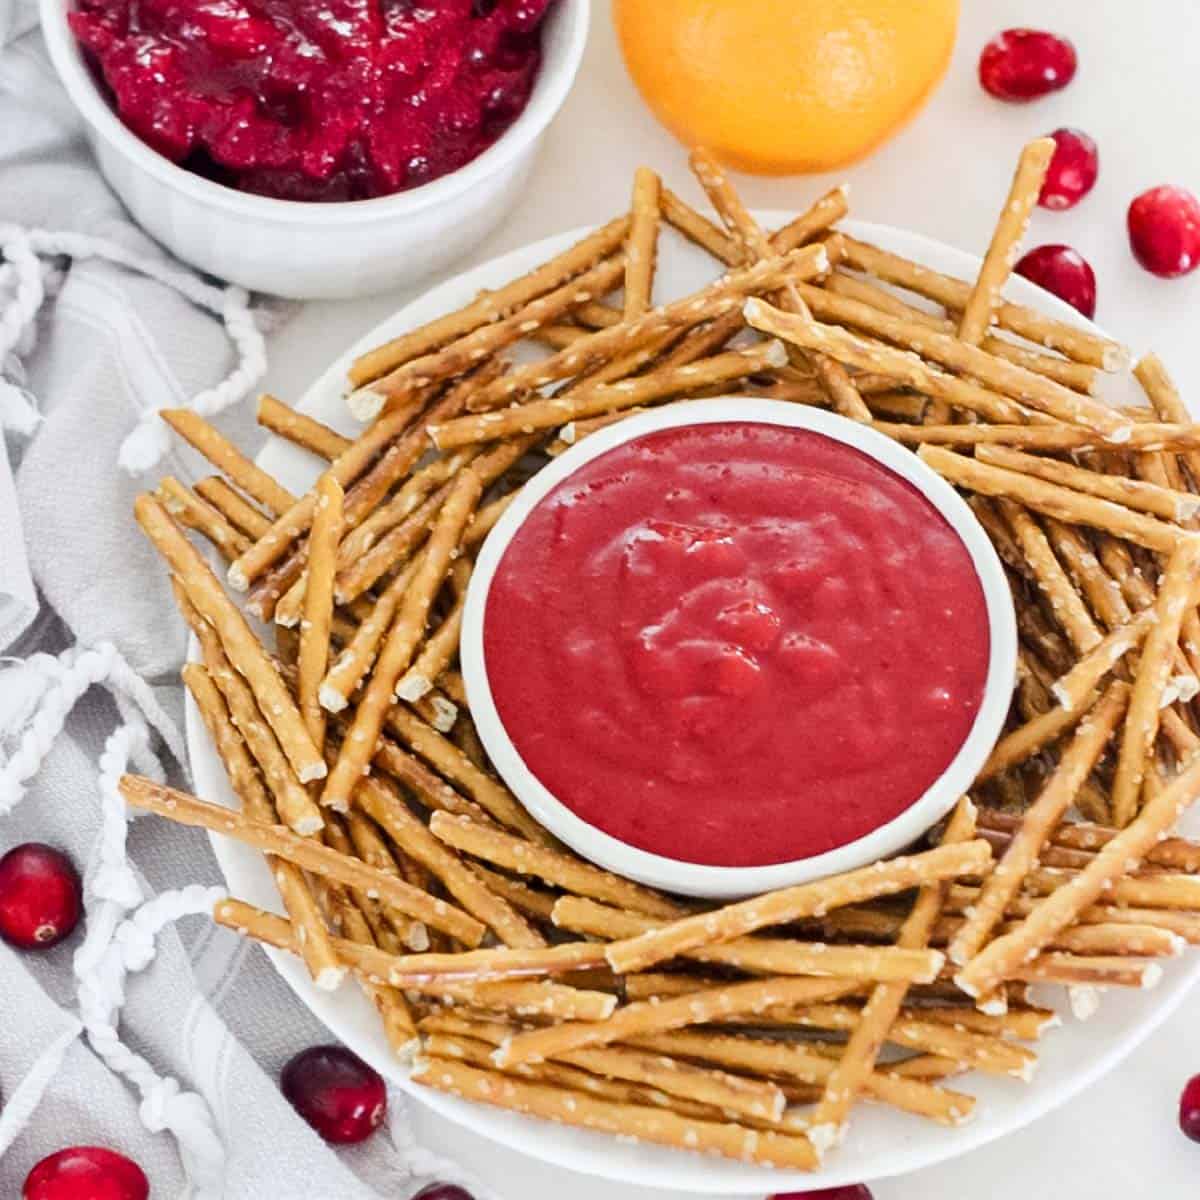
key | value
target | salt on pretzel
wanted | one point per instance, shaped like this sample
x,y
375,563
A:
x,y
642,243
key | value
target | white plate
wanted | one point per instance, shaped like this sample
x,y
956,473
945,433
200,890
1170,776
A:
x,y
881,1142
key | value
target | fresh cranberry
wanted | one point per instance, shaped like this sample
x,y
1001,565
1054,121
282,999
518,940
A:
x,y
852,1191
40,897
1023,64
86,1173
1064,273
443,1191
1164,231
341,1097
1189,1109
1072,171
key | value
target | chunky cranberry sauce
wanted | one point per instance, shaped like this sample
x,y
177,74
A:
x,y
316,99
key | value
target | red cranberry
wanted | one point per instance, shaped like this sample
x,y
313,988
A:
x,y
40,897
1023,64
1189,1109
341,1097
852,1191
443,1191
1072,172
1064,273
1164,231
86,1173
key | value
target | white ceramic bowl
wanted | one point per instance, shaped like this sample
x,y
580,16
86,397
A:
x,y
694,879
320,251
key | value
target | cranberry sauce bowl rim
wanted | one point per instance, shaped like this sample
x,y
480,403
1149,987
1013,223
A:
x,y
717,882
555,77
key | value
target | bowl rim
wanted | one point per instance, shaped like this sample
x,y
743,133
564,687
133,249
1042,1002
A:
x,y
718,882
556,76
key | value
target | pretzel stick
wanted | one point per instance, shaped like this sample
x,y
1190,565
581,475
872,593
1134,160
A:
x,y
668,1082
795,903
446,758
1077,687
761,956
1065,603
436,655
1102,592
1055,501
195,513
474,348
824,212
406,500
295,807
1184,924
856,1068
699,229
239,512
714,1004
316,947
1005,380
756,246
642,242
1166,401
953,294
1022,1024
1006,878
596,314
396,1016
300,429
1052,439
1075,970
460,1046
490,306
385,806
594,401
485,520
294,521
392,551
1156,889
311,856
1063,907
1175,854
553,866
1077,376
350,667
758,1099
1006,240
243,648
228,459
797,1062
629,1121
1178,591
718,298
392,931
1176,507
397,651
318,605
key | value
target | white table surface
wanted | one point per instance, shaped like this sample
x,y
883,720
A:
x,y
1137,93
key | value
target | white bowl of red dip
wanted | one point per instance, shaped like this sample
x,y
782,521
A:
x,y
736,644
317,150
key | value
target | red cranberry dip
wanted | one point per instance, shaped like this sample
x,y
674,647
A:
x,y
331,101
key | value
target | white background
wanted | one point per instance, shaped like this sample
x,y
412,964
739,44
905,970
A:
x,y
1138,94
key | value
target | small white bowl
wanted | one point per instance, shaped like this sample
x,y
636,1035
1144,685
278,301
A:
x,y
693,879
317,250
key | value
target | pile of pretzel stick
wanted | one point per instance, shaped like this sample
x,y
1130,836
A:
x,y
514,973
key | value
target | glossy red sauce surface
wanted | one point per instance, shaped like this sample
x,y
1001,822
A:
x,y
736,644
316,99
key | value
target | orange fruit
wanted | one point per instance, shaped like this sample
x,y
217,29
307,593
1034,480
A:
x,y
777,86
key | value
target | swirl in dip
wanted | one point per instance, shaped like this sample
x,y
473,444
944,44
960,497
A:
x,y
736,644
315,99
